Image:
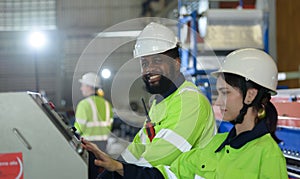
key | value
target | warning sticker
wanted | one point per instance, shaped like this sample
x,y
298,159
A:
x,y
11,166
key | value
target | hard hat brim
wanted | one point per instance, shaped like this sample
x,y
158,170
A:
x,y
216,74
92,85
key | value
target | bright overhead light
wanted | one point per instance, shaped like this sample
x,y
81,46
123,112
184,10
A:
x,y
105,73
37,39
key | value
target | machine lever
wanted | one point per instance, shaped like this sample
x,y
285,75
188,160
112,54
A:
x,y
22,138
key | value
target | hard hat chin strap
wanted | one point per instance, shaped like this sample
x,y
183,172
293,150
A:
x,y
240,118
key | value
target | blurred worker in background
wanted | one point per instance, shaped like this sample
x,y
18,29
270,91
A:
x,y
245,84
93,115
180,116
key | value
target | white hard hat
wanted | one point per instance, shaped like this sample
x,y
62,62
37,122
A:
x,y
155,38
90,79
253,64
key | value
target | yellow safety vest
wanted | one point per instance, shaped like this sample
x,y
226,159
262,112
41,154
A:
x,y
94,118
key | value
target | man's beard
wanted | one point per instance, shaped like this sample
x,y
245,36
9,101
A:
x,y
162,87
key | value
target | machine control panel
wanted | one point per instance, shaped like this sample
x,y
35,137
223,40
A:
x,y
34,133
290,147
61,124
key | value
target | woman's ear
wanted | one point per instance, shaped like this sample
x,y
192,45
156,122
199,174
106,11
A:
x,y
250,96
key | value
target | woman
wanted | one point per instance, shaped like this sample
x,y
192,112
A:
x,y
245,84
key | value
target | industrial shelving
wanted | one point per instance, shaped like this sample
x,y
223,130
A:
x,y
208,35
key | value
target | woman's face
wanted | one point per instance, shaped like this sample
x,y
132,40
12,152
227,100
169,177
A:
x,y
230,100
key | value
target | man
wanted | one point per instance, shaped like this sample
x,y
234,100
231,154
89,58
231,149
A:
x,y
181,117
93,115
249,150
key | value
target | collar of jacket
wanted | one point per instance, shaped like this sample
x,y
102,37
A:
x,y
177,82
93,95
239,141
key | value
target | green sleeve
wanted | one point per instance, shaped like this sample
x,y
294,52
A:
x,y
197,122
189,116
136,147
201,162
78,128
81,114
182,167
273,167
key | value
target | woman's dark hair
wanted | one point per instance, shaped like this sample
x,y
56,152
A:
x,y
262,100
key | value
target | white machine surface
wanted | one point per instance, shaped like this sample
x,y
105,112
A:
x,y
31,127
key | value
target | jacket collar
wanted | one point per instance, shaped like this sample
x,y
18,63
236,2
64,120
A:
x,y
239,141
178,82
95,94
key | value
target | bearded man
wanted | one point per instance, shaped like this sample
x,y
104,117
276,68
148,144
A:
x,y
180,114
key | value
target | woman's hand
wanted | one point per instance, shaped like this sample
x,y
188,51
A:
x,y
103,160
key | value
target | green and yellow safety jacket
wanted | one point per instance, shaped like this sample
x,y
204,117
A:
x,y
252,155
94,118
183,120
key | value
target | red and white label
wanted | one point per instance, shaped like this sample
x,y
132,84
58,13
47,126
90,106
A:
x,y
11,166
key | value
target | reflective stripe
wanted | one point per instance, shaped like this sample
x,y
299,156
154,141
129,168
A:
x,y
107,112
178,141
96,137
81,121
94,109
143,162
143,137
215,131
198,177
98,124
170,174
189,89
130,158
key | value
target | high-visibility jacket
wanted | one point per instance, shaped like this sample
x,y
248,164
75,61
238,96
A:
x,y
259,158
94,118
183,120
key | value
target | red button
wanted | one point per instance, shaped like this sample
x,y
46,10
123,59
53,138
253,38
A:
x,y
51,105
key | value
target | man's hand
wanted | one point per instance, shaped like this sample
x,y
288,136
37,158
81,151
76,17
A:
x,y
103,160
